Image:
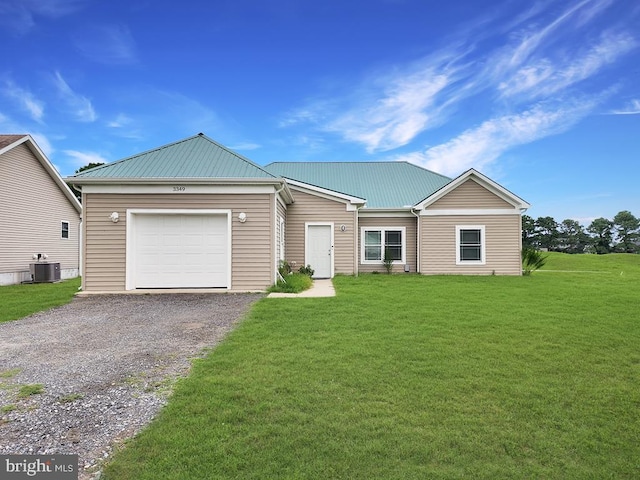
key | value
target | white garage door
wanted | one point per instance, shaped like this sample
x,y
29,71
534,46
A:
x,y
180,251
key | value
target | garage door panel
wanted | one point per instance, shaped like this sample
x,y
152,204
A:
x,y
181,251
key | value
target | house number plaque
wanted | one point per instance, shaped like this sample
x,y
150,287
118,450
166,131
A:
x,y
179,188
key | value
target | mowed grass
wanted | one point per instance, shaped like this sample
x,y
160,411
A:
x,y
415,377
19,301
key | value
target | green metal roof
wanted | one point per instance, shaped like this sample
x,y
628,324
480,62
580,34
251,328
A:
x,y
193,157
383,184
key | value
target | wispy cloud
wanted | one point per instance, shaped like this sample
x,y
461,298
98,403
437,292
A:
x,y
246,146
79,105
536,73
108,44
388,111
121,121
402,111
546,76
24,99
480,146
20,16
632,108
80,159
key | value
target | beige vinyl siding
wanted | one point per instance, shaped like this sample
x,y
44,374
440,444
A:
x,y
410,241
469,194
33,209
252,265
502,244
311,208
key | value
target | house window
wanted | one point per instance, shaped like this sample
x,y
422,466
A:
x,y
375,241
470,245
65,229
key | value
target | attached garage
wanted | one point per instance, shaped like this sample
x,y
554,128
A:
x,y
178,249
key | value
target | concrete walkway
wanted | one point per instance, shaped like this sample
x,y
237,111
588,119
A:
x,y
320,288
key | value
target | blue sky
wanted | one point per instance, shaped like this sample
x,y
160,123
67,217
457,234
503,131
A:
x,y
541,96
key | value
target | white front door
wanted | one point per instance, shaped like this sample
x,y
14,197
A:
x,y
319,252
180,251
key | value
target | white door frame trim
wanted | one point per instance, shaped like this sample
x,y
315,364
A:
x,y
130,243
306,243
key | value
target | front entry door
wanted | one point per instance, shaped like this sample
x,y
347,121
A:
x,y
320,250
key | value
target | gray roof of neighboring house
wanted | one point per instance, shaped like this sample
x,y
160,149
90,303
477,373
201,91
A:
x,y
383,184
193,157
6,140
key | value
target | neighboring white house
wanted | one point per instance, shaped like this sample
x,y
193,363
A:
x,y
39,214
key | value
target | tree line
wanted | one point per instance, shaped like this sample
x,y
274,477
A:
x,y
620,235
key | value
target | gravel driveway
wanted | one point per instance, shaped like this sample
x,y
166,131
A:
x,y
106,364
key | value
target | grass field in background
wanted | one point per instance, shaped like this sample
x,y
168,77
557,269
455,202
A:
x,y
18,301
414,377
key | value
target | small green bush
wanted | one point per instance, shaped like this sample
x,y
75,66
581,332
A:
x,y
285,268
306,270
293,283
532,260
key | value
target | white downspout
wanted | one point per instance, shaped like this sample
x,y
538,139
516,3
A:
x,y
275,231
417,215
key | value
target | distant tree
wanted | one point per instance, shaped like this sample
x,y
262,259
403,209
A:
x,y
626,227
571,237
547,232
89,166
602,235
529,236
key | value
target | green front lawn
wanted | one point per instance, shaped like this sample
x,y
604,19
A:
x,y
21,300
415,377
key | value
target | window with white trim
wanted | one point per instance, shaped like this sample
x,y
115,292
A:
x,y
65,230
470,245
375,241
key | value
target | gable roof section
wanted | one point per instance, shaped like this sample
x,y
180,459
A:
x,y
384,185
486,182
9,142
196,157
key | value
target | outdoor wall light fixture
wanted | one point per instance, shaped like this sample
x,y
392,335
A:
x,y
114,217
242,217
40,256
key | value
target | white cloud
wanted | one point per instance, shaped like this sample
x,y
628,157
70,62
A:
x,y
632,108
80,105
246,146
25,99
546,77
19,16
108,44
480,146
405,108
80,159
121,121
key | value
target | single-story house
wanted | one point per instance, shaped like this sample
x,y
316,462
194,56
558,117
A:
x,y
195,214
40,215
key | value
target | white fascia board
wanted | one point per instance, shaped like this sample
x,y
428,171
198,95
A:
x,y
385,212
326,193
482,180
470,211
50,169
178,188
